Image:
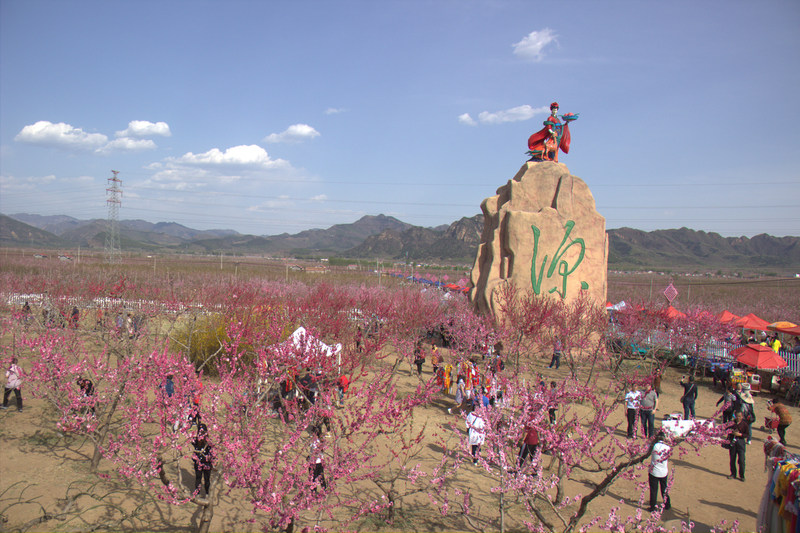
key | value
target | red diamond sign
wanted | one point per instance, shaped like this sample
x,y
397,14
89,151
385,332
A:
x,y
670,292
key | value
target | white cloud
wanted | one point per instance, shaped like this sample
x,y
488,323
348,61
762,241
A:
x,y
466,119
214,168
281,201
245,156
13,183
60,135
515,114
294,133
179,179
334,110
145,128
319,198
9,184
125,144
531,47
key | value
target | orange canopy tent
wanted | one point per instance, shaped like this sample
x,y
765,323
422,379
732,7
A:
x,y
782,326
758,356
673,313
751,321
726,316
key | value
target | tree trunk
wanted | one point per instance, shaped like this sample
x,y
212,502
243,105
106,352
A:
x,y
98,443
560,484
601,487
502,514
205,517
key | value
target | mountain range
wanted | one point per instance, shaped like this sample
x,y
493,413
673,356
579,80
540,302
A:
x,y
386,237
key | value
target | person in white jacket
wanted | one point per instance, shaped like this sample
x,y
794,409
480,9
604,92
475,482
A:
x,y
659,470
476,435
13,383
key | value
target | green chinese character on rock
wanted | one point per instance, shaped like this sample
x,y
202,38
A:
x,y
564,269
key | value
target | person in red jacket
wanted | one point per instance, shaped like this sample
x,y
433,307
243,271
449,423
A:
x,y
529,444
342,384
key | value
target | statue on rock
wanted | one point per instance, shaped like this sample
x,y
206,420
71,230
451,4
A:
x,y
545,143
542,233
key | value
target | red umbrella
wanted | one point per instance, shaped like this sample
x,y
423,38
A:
x,y
758,356
783,326
751,321
790,331
726,316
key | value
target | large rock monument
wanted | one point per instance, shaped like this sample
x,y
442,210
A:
x,y
541,232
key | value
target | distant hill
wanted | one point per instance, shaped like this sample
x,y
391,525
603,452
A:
x,y
61,224
457,241
333,240
18,234
686,248
386,237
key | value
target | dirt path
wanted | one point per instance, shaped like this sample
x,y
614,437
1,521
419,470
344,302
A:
x,y
50,467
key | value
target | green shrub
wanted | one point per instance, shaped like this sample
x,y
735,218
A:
x,y
205,338
202,339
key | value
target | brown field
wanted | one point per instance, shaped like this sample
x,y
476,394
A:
x,y
770,298
41,469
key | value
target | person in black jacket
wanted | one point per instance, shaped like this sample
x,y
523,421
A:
x,y
738,449
689,396
729,399
419,358
202,460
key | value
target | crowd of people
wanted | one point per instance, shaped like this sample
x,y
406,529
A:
x,y
118,322
473,383
737,415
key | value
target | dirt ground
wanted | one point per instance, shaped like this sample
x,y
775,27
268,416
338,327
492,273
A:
x,y
39,468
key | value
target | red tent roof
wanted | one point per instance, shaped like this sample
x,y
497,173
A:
x,y
726,316
758,356
674,313
751,321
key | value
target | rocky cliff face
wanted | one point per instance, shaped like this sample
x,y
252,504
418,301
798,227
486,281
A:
x,y
541,232
456,241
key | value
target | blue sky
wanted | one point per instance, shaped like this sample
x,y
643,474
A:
x,y
278,116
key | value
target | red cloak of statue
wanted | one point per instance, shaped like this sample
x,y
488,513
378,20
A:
x,y
536,141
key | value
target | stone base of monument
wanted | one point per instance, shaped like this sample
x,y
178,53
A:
x,y
542,232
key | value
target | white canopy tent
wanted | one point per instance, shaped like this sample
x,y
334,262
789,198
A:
x,y
304,343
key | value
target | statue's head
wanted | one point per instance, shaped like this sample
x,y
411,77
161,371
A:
x,y
554,107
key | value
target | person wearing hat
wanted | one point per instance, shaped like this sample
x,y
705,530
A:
x,y
748,409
